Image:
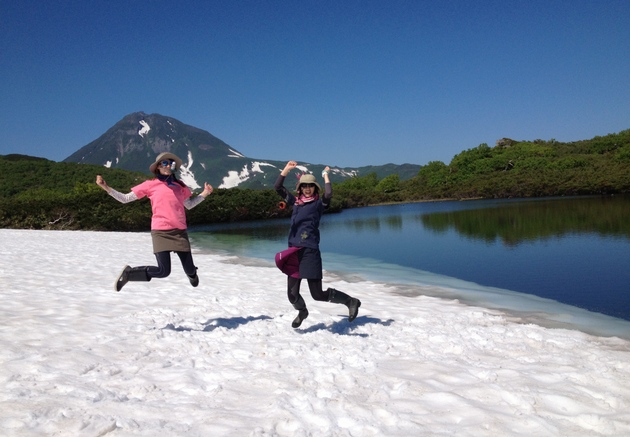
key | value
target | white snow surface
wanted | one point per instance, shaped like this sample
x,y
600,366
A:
x,y
161,358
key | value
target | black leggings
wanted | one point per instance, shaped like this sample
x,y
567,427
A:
x,y
163,268
314,285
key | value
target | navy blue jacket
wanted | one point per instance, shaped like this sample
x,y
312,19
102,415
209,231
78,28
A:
x,y
304,231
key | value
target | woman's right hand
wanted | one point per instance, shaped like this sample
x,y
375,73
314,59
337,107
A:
x,y
101,182
287,168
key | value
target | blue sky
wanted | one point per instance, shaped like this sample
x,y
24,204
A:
x,y
342,82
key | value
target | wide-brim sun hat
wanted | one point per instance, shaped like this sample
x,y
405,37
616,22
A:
x,y
161,157
307,179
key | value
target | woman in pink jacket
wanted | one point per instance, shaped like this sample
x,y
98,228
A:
x,y
169,199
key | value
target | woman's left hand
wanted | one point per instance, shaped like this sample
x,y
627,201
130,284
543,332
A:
x,y
325,174
207,190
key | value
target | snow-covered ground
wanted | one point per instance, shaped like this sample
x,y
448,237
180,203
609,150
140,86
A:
x,y
165,359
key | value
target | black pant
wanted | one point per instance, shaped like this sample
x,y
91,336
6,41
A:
x,y
314,285
163,268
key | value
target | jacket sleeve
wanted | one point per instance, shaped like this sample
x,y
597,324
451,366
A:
x,y
191,202
327,194
282,191
122,198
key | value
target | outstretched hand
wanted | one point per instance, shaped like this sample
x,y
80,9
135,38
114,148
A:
x,y
325,174
287,168
207,190
101,183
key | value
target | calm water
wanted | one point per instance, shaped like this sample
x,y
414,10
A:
x,y
508,254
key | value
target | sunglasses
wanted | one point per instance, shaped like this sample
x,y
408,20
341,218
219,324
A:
x,y
309,185
167,163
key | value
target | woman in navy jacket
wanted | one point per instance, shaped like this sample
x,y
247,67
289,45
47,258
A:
x,y
308,207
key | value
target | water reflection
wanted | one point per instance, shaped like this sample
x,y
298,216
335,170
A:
x,y
508,222
360,225
514,223
373,224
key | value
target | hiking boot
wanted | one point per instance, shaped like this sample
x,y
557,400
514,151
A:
x,y
299,305
194,280
302,315
353,308
131,274
336,296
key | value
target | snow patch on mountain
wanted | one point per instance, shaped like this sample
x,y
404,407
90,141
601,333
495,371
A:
x,y
145,128
236,154
234,178
186,175
108,164
344,173
256,166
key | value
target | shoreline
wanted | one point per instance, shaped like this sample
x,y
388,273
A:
x,y
517,307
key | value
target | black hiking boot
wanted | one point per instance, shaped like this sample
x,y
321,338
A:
x,y
303,314
353,308
131,274
194,279
299,305
353,304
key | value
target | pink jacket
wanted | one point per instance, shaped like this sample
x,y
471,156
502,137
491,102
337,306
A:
x,y
167,203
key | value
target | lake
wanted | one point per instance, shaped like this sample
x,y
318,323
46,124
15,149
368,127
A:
x,y
554,261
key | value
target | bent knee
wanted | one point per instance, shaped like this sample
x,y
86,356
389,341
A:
x,y
320,297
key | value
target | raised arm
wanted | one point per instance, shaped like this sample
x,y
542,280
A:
x,y
122,198
191,202
279,185
287,168
327,186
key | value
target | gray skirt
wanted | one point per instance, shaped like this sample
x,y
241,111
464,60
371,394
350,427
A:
x,y
175,240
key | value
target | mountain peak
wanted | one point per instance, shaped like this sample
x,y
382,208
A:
x,y
135,141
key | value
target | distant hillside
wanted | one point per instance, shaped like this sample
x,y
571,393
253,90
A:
x,y
536,168
33,177
135,141
43,194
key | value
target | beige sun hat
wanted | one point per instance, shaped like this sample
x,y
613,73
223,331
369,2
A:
x,y
162,157
307,179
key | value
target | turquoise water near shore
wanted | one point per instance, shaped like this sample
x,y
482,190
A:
x,y
537,270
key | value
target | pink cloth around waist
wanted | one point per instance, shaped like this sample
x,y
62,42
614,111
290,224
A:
x,y
287,261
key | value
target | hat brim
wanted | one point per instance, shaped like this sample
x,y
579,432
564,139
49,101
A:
x,y
163,156
297,187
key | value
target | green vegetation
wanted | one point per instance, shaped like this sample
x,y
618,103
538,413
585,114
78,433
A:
x,y
530,169
36,193
511,169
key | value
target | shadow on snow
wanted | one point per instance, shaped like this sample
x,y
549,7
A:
x,y
343,327
220,322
